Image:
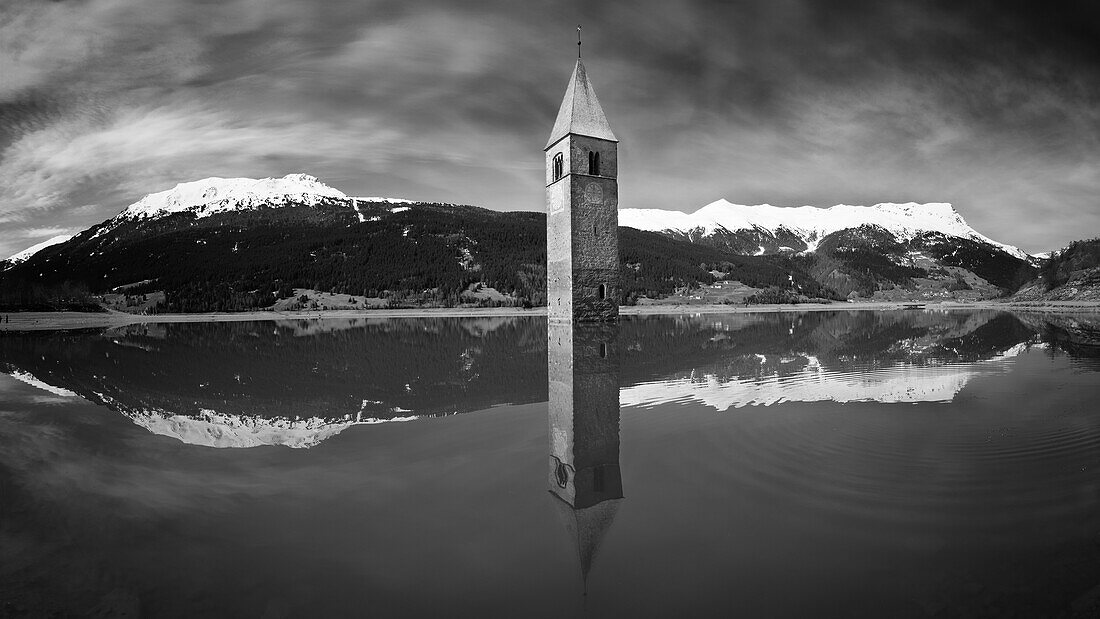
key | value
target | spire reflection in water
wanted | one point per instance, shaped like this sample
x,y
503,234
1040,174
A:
x,y
584,474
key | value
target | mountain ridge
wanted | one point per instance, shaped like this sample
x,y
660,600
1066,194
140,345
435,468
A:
x,y
225,244
212,195
23,255
807,225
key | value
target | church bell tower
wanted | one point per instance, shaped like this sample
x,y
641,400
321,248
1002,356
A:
x,y
582,209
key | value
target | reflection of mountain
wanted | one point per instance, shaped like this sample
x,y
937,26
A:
x,y
803,378
293,383
297,382
853,356
33,381
213,429
584,476
1076,335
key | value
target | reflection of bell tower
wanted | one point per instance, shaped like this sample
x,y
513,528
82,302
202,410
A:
x,y
584,431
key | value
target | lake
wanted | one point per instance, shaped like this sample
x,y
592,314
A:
x,y
825,464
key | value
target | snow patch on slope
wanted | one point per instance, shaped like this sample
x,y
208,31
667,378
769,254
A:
x,y
34,249
811,223
386,200
217,195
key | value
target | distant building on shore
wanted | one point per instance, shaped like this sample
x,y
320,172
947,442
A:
x,y
582,209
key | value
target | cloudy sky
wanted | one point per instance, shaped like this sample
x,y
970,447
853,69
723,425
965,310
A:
x,y
991,105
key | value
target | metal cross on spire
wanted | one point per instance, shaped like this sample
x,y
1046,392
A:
x,y
578,41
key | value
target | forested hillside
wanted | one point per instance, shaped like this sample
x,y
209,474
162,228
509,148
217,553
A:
x,y
870,261
1071,274
419,254
232,256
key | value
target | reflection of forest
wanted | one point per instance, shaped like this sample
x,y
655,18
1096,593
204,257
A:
x,y
341,371
328,369
745,346
1076,335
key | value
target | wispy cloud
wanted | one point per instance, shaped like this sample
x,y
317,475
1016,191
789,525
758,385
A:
x,y
994,107
138,149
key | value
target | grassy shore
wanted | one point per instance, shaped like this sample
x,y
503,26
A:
x,y
46,321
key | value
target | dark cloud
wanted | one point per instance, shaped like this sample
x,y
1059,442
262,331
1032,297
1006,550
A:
x,y
994,106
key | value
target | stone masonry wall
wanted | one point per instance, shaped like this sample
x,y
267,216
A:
x,y
559,252
582,233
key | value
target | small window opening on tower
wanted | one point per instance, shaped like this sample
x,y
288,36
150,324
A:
x,y
602,291
593,163
559,167
603,350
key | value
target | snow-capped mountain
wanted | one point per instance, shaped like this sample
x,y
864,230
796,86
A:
x,y
774,228
233,243
22,256
213,196
223,244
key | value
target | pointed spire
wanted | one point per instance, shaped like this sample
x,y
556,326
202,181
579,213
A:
x,y
587,526
580,111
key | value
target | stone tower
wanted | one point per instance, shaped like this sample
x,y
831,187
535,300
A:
x,y
584,475
582,209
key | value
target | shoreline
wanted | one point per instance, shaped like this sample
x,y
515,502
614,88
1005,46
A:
x,y
64,321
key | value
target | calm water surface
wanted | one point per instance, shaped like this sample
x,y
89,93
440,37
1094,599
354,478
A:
x,y
839,464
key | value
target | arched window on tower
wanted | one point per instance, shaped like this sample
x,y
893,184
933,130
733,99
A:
x,y
558,167
602,291
593,163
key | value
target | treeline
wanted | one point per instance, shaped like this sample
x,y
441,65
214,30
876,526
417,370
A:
x,y
427,365
55,297
991,264
870,258
428,254
655,265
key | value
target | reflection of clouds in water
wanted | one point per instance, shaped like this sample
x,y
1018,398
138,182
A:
x,y
126,469
97,503
48,400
